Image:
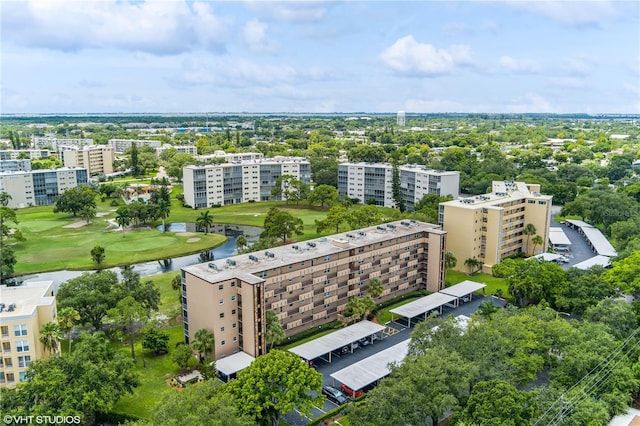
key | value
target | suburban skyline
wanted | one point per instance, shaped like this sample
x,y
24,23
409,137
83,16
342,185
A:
x,y
320,57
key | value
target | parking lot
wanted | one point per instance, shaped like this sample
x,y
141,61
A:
x,y
395,334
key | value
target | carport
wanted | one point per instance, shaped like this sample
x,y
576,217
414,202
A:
x,y
422,306
465,288
559,240
604,261
229,366
373,368
336,340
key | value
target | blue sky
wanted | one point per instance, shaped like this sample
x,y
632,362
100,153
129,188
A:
x,y
314,56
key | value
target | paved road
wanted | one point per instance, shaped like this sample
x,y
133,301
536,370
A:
x,y
403,333
580,250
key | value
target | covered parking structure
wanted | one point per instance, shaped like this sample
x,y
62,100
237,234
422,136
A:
x,y
559,240
338,339
369,370
604,261
596,240
422,306
229,366
463,289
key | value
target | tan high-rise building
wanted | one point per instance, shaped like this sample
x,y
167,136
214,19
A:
x,y
97,159
489,227
307,284
23,310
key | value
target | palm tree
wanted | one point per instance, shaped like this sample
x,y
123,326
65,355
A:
x,y
164,208
274,333
4,199
241,242
49,336
375,287
537,241
123,218
486,308
204,340
528,230
204,221
472,263
450,260
67,319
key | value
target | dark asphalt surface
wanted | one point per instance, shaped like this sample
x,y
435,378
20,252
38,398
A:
x,y
580,250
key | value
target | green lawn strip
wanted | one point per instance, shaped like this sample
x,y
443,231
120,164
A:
x,y
384,316
305,340
493,283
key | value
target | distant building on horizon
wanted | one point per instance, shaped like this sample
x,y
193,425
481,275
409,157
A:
x,y
49,142
121,145
400,118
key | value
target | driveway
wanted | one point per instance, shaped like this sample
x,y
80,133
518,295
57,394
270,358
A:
x,y
580,250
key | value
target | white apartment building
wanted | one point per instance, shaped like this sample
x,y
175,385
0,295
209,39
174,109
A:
x,y
97,159
121,145
54,144
239,182
40,187
374,181
32,154
15,165
181,149
230,157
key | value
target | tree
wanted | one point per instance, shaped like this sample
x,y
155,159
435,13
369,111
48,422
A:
x,y
364,216
276,383
274,333
497,402
176,282
625,274
67,319
323,194
88,213
358,307
130,313
335,217
528,230
282,188
585,288
7,263
91,294
533,280
7,255
486,308
537,241
203,342
472,263
450,260
123,218
157,341
617,315
146,293
206,404
134,164
204,221
50,335
283,225
398,199
182,355
375,287
97,254
74,200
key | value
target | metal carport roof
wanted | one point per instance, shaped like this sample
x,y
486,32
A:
x,y
336,340
375,367
423,305
234,363
462,289
558,237
600,244
603,261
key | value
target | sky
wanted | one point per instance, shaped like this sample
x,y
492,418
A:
x,y
173,56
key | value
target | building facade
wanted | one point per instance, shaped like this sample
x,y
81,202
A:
x,y
307,284
373,183
23,311
231,157
97,159
40,187
239,181
32,154
121,145
54,144
15,165
489,227
180,149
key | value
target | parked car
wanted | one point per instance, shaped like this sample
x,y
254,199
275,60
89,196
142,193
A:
x,y
364,342
334,395
350,392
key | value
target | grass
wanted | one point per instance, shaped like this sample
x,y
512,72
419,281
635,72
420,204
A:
x,y
384,316
305,340
493,283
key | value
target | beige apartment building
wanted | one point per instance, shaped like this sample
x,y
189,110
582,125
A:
x,y
307,284
23,310
489,227
97,159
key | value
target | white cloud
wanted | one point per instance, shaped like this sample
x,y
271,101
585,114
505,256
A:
x,y
567,82
159,27
572,13
579,65
289,11
457,29
254,34
409,57
520,66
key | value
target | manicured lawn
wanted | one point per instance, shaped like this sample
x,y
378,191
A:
x,y
384,316
493,283
305,340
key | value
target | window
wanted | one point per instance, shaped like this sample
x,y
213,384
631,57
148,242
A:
x,y
22,346
221,329
235,338
8,362
327,258
233,298
221,287
24,361
327,293
542,203
10,378
262,274
221,314
4,330
23,376
222,343
327,270
234,325
2,379
233,312
6,347
221,301
20,330
233,283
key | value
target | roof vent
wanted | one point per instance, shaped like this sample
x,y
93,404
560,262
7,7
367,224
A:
x,y
269,254
231,262
253,258
213,266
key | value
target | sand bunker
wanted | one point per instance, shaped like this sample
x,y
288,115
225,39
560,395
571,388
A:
x,y
76,224
193,240
185,234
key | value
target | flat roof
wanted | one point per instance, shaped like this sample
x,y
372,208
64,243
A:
x,y
234,363
375,367
336,340
422,305
603,261
579,223
462,289
558,237
547,257
600,244
24,299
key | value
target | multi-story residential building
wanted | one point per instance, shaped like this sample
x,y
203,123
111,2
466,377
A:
x,y
97,159
180,149
40,187
239,181
15,165
489,227
23,311
54,144
373,182
121,145
231,157
307,284
16,154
